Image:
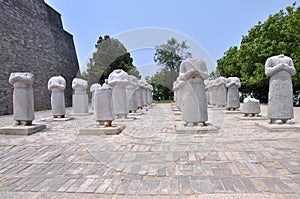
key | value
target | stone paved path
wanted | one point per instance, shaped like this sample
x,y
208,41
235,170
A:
x,y
148,159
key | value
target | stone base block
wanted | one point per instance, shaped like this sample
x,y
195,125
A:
x,y
182,129
22,130
63,119
81,114
50,119
177,118
128,119
135,114
177,113
101,130
278,127
259,117
233,112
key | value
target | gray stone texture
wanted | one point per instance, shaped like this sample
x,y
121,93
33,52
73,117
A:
x,y
33,40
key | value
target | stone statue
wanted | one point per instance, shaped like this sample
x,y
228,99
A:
x,y
251,107
131,91
233,99
149,94
221,91
57,85
80,98
139,91
212,92
23,101
280,68
194,104
92,90
118,80
177,88
103,111
144,93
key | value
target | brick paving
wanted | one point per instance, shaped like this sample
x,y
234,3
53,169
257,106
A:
x,y
149,159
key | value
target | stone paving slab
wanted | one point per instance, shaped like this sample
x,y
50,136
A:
x,y
149,159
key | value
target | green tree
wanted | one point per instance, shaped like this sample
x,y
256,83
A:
x,y
279,34
168,56
110,54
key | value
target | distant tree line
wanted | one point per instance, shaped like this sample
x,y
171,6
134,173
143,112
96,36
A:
x,y
279,34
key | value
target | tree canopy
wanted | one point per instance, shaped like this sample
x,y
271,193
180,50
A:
x,y
168,56
279,34
110,54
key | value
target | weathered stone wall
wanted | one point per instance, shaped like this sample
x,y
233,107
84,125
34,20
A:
x,y
32,39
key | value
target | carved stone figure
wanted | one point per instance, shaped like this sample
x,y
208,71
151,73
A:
x,y
139,92
57,85
194,104
118,80
220,91
233,99
149,94
92,90
251,107
212,92
280,68
23,101
80,98
103,111
131,91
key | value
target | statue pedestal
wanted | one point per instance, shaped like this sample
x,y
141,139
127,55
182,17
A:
x,y
80,103
233,112
258,117
182,129
278,127
22,130
101,130
50,119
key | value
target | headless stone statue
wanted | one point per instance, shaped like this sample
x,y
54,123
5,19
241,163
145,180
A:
x,y
92,90
221,92
103,111
140,94
280,69
212,92
194,104
57,85
80,98
131,91
118,80
251,107
23,101
233,100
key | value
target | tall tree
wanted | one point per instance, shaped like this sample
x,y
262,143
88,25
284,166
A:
x,y
110,54
279,34
168,56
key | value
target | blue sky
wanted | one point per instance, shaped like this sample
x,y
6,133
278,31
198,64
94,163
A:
x,y
213,25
